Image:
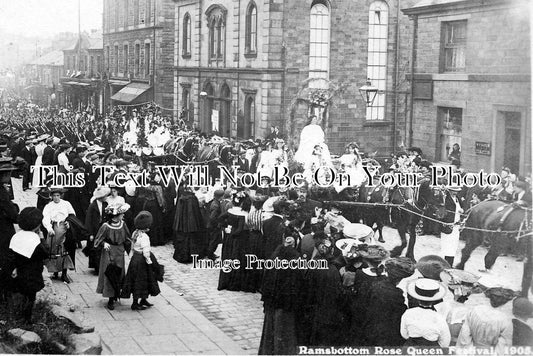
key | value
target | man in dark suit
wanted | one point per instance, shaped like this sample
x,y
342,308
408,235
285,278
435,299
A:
x,y
48,154
522,193
29,156
93,220
274,227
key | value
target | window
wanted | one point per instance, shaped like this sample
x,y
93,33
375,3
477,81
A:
x,y
137,59
98,64
454,46
116,59
126,13
186,44
251,29
378,22
249,113
146,59
126,60
217,33
92,67
142,11
107,58
450,127
319,42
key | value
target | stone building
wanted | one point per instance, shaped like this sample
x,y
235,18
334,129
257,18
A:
x,y
472,82
43,75
139,51
242,66
82,77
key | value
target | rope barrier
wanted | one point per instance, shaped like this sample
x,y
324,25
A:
x,y
402,206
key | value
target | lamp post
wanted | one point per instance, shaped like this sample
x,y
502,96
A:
x,y
368,92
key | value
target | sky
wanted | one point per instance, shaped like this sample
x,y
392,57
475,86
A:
x,y
48,17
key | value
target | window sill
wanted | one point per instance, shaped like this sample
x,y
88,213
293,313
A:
x,y
372,123
250,55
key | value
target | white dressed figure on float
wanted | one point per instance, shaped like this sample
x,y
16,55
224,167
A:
x,y
317,160
352,165
312,135
267,161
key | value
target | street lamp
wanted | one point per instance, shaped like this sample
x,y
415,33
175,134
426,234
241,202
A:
x,y
368,92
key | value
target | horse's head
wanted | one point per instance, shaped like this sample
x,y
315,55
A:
x,y
190,148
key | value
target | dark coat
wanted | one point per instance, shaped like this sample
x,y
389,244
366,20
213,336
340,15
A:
x,y
48,156
29,270
384,309
8,217
522,334
214,212
273,233
28,155
93,219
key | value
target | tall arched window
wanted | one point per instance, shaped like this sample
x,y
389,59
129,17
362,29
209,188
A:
x,y
251,29
249,116
216,21
378,23
319,41
186,45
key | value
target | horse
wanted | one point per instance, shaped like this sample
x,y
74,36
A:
x,y
499,222
215,155
414,203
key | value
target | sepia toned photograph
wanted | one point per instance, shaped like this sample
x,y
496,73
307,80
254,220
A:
x,y
266,177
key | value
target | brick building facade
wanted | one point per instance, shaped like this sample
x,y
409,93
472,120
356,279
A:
x,y
241,66
81,83
139,51
473,82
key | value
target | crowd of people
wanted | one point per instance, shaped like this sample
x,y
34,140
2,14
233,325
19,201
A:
x,y
364,297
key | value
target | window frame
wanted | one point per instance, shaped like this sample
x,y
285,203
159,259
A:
x,y
250,43
378,42
448,46
187,36
147,59
216,22
317,46
126,59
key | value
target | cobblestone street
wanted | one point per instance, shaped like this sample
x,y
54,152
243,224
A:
x,y
238,315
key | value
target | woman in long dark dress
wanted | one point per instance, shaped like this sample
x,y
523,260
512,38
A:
x,y
386,305
364,278
190,234
281,293
234,245
254,221
151,199
8,217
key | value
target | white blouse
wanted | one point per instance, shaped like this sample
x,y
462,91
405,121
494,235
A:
x,y
142,244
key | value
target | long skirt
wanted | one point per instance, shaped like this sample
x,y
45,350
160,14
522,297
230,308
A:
x,y
59,256
140,279
279,333
234,247
116,255
187,244
252,278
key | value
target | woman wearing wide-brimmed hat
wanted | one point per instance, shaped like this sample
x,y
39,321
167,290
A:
x,y
371,272
61,245
115,238
385,306
487,325
423,325
461,284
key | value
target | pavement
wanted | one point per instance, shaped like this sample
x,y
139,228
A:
x,y
192,316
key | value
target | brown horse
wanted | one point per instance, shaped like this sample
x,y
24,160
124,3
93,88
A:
x,y
498,222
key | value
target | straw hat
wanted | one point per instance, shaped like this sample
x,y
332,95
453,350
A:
x,y
431,266
357,231
117,209
374,253
101,192
427,290
349,247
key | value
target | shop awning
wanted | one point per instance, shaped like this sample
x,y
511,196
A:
x,y
77,83
130,92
